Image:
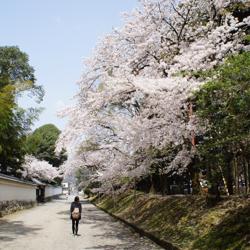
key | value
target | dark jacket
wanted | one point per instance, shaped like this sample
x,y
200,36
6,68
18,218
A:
x,y
74,205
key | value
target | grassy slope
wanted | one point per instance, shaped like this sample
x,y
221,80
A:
x,y
185,221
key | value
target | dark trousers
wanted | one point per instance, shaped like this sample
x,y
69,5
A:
x,y
75,226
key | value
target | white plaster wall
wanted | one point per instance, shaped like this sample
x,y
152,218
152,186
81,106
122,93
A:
x,y
22,192
51,191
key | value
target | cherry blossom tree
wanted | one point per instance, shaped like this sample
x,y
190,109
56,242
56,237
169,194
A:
x,y
135,91
34,168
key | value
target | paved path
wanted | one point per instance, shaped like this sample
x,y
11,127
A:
x,y
47,227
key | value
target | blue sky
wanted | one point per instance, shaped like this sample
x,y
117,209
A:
x,y
57,35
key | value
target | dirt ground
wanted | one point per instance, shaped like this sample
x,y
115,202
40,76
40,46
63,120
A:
x,y
48,227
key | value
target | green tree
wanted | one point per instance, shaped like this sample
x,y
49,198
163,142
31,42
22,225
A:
x,y
16,76
42,142
16,71
223,104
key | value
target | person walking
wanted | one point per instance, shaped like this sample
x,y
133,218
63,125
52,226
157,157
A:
x,y
75,214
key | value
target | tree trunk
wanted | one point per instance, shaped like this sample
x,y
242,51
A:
x,y
163,184
213,195
236,175
195,179
152,188
188,187
229,178
246,177
224,181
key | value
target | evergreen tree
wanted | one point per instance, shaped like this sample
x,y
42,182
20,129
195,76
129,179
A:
x,y
41,144
16,76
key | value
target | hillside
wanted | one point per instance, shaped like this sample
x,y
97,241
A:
x,y
185,221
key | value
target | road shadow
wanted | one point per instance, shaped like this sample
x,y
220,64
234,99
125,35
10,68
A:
x,y
96,217
10,230
59,198
128,238
114,230
118,247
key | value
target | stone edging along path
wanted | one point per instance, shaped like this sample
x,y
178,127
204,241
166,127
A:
x,y
9,207
162,243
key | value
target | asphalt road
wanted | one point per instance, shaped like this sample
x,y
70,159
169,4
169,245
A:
x,y
48,227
